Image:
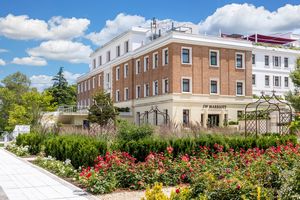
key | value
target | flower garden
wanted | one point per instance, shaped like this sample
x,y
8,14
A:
x,y
204,167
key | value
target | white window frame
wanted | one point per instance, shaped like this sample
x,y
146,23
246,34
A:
x,y
190,85
279,81
218,57
145,90
267,66
243,60
269,81
137,67
288,62
254,79
218,86
163,56
279,62
146,68
100,60
94,63
288,81
126,46
136,91
118,50
153,60
243,88
126,98
164,85
93,82
190,55
126,71
117,73
108,56
153,88
117,95
254,59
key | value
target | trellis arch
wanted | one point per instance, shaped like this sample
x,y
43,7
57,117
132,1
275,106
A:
x,y
154,110
260,115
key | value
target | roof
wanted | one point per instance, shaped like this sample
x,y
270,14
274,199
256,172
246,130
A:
x,y
269,39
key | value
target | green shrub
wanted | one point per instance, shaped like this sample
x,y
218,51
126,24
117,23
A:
x,y
34,141
128,131
141,148
81,150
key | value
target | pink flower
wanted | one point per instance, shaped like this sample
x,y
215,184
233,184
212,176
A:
x,y
185,158
183,176
170,149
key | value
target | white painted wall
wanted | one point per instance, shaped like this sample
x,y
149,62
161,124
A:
x,y
260,70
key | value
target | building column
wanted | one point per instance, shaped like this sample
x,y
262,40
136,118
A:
x,y
205,117
222,117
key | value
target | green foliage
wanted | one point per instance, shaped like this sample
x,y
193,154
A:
x,y
233,123
63,169
102,111
81,150
21,151
141,148
128,131
293,96
33,141
18,83
295,125
62,93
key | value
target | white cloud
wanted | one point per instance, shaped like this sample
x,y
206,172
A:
x,y
2,62
247,19
73,52
24,28
33,61
41,82
3,50
114,27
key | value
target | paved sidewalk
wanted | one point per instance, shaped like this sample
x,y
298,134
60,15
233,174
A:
x,y
20,180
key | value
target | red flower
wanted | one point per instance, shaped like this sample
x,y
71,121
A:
x,y
185,158
238,187
183,176
170,149
177,190
89,175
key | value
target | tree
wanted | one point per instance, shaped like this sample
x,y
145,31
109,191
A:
x,y
7,100
102,111
17,82
62,93
294,96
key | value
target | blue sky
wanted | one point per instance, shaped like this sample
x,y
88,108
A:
x,y
38,51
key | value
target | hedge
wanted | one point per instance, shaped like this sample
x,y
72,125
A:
x,y
34,142
81,150
141,148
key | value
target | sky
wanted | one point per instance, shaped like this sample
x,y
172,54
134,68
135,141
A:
x,y
39,36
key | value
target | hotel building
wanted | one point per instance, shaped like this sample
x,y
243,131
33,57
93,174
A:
x,y
190,78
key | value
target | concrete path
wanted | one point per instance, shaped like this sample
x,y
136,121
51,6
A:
x,y
21,180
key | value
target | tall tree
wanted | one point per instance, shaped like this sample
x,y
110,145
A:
x,y
294,96
18,83
102,111
63,94
7,100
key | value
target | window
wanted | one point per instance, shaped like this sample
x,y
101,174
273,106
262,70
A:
x,y
239,60
146,90
186,55
155,60
165,59
286,81
118,73
94,63
186,117
100,60
78,88
146,63
267,80
138,91
155,88
214,58
117,95
165,86
93,85
186,85
118,51
267,60
126,94
108,80
239,88
276,61
214,87
286,62
277,81
108,56
138,66
89,84
253,59
99,80
126,46
253,79
126,70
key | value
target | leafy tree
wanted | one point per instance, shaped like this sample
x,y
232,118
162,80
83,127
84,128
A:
x,y
30,110
294,96
7,100
102,111
17,82
62,93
